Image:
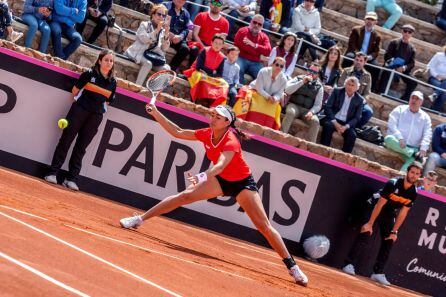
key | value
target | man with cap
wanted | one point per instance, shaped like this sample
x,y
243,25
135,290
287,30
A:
x,y
393,9
400,56
409,130
367,40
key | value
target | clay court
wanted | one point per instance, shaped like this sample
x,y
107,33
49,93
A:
x,y
55,242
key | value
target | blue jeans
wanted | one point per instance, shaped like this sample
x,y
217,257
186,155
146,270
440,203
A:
x,y
75,39
248,67
195,9
366,115
433,162
441,23
232,94
441,96
34,24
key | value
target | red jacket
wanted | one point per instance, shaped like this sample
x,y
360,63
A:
x,y
248,52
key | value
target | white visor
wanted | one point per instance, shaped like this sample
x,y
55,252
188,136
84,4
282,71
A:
x,y
224,112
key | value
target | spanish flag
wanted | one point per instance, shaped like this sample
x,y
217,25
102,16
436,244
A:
x,y
205,86
253,107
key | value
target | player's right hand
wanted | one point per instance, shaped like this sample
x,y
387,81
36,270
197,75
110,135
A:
x,y
150,108
367,228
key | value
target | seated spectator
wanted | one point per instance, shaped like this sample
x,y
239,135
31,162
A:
x,y
261,101
277,14
365,39
400,55
437,77
409,130
179,29
319,4
440,20
239,9
37,14
287,50
97,12
306,93
208,88
390,7
365,81
429,181
342,113
253,43
330,70
65,15
151,37
231,73
206,25
307,25
6,30
196,7
438,156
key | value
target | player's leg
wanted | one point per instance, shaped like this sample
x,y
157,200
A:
x,y
250,201
205,190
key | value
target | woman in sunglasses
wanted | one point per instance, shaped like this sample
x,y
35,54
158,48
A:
x,y
151,44
287,50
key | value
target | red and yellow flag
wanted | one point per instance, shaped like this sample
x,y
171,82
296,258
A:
x,y
205,86
253,107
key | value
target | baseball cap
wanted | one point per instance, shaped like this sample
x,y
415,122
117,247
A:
x,y
408,27
371,15
417,94
224,112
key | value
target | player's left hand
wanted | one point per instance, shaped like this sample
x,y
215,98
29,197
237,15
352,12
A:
x,y
393,237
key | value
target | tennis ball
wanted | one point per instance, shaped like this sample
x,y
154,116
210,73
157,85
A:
x,y
62,123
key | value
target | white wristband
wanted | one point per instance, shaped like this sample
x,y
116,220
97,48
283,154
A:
x,y
202,177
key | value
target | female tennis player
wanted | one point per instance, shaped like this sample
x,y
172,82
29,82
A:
x,y
229,176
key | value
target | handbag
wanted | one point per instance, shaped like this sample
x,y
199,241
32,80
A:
x,y
156,59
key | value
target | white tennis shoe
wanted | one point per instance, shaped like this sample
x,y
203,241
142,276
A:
x,y
51,178
349,269
131,222
380,278
298,275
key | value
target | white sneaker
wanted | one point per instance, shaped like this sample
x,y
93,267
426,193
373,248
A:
x,y
349,269
15,36
131,222
70,185
298,275
51,178
380,278
432,97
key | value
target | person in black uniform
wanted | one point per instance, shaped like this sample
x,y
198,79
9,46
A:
x,y
92,92
397,194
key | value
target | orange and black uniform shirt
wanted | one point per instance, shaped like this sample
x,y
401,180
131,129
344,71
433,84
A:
x,y
396,195
95,90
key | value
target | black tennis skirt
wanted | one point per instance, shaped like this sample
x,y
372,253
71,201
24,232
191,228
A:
x,y
233,188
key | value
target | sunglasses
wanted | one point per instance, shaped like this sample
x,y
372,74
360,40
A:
x,y
311,71
312,1
217,3
160,14
407,31
257,23
279,65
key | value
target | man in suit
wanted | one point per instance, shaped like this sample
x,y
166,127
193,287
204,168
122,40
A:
x,y
343,111
365,39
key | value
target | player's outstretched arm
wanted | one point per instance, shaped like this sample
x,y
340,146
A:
x,y
168,125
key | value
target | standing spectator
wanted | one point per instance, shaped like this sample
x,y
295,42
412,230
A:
x,y
97,12
409,130
307,25
277,17
365,39
319,4
94,89
330,70
196,7
6,30
343,112
37,14
306,93
152,36
178,31
239,9
64,18
390,6
400,55
287,50
253,43
365,81
231,73
437,77
261,102
438,156
389,210
440,20
207,24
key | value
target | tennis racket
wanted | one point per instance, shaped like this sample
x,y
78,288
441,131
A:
x,y
158,82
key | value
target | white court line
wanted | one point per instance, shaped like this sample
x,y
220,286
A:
x,y
23,212
43,275
253,249
257,259
157,252
92,255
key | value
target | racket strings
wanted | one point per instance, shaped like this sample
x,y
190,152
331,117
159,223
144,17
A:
x,y
159,82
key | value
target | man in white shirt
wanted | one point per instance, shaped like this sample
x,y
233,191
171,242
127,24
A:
x,y
437,77
409,130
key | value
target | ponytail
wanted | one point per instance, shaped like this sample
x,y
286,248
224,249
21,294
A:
x,y
239,133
